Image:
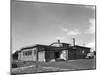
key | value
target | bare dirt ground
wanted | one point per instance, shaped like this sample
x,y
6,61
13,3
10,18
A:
x,y
82,64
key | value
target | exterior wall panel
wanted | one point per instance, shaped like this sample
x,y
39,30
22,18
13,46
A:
x,y
41,56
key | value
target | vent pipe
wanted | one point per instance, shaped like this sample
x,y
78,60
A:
x,y
73,41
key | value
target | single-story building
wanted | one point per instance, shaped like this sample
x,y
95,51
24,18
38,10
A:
x,y
41,53
53,52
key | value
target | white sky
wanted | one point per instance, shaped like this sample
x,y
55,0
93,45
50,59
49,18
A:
x,y
44,23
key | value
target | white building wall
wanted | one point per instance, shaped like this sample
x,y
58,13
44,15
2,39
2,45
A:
x,y
29,57
64,55
41,56
19,56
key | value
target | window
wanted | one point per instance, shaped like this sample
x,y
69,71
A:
x,y
83,51
27,53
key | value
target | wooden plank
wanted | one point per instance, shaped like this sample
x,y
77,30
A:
x,y
37,58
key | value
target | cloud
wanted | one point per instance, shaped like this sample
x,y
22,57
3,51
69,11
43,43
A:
x,y
70,32
91,29
64,29
74,32
91,45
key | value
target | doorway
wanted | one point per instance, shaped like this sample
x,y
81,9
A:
x,y
57,55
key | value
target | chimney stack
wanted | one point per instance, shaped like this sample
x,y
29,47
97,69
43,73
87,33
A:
x,y
59,41
73,41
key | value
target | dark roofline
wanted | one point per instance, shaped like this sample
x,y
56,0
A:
x,y
81,46
37,45
49,46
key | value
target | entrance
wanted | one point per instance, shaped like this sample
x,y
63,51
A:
x,y
57,55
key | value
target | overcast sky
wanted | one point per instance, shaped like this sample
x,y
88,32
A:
x,y
44,23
